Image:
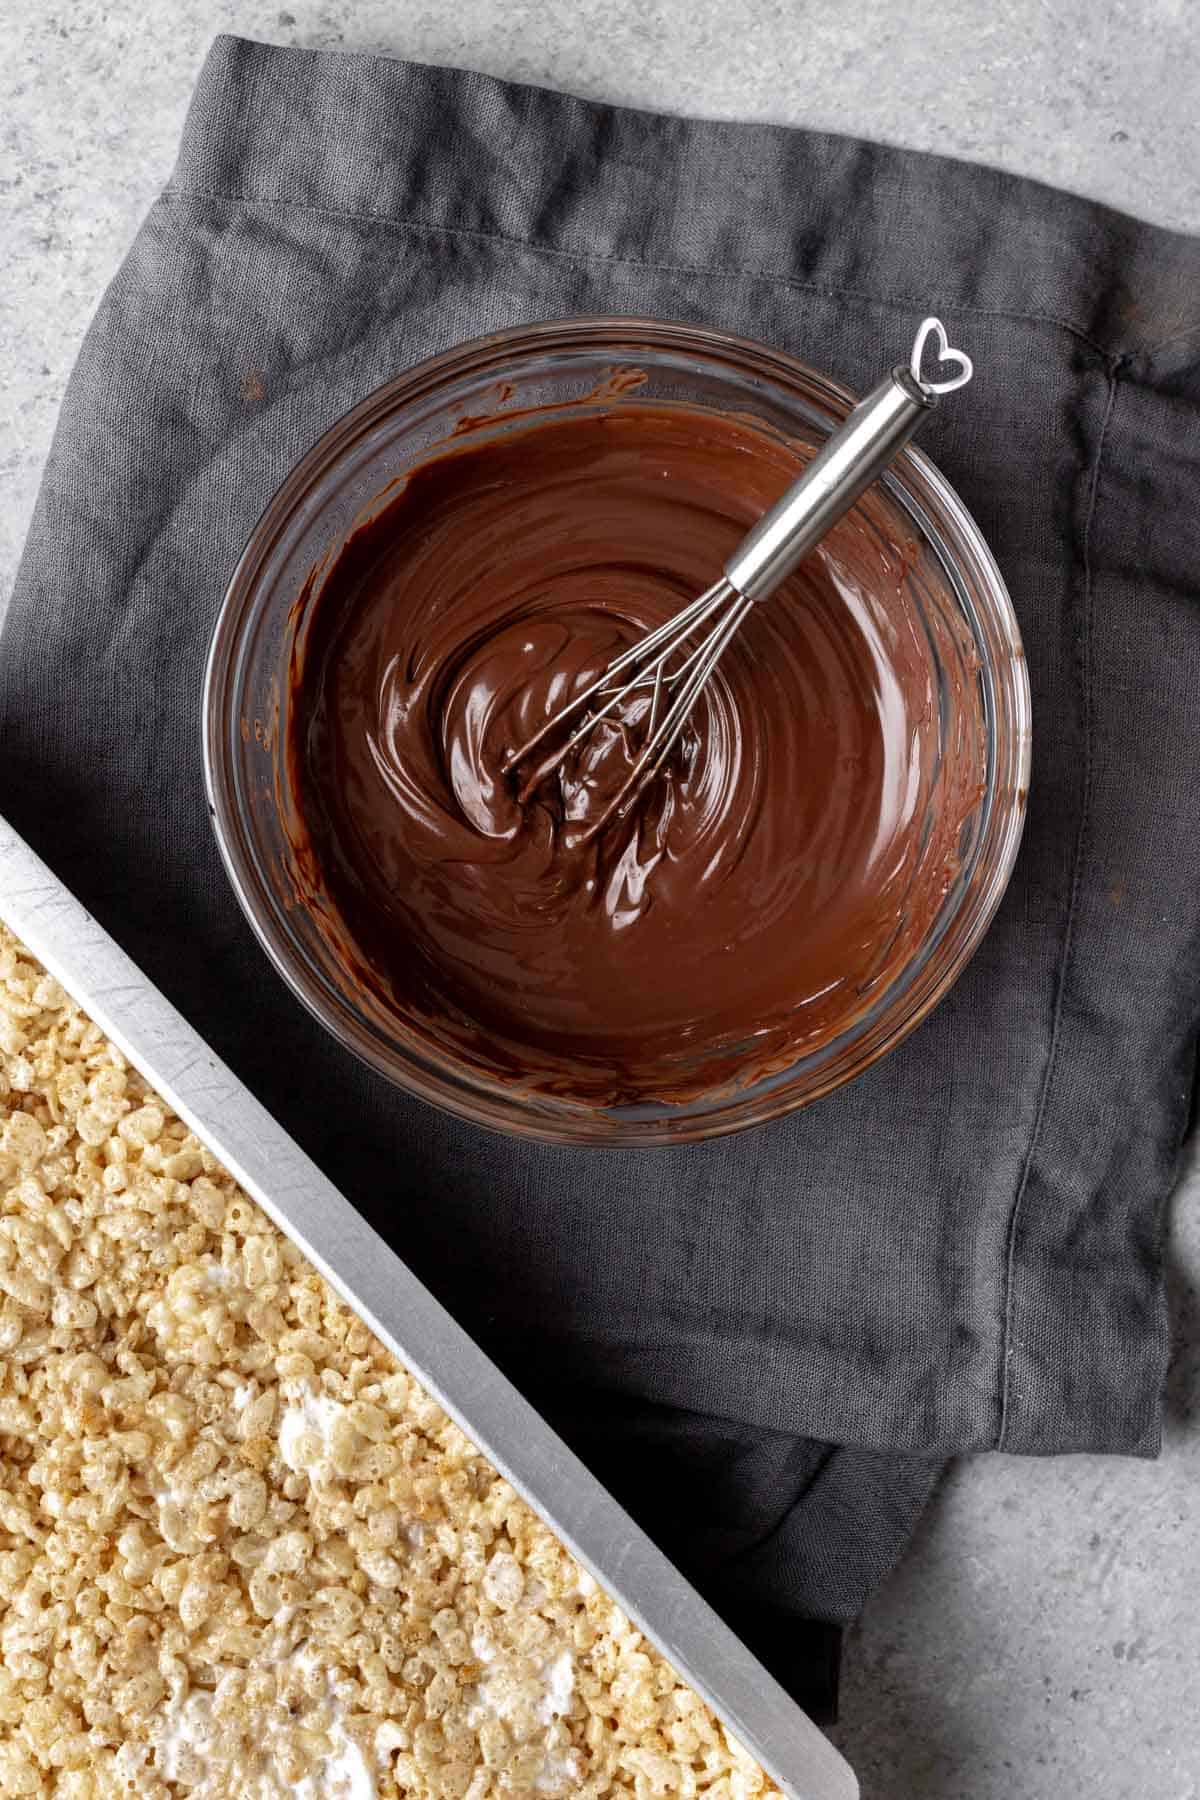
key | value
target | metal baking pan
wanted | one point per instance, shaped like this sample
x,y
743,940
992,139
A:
x,y
370,1276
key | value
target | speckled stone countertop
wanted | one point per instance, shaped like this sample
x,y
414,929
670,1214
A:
x,y
1041,1641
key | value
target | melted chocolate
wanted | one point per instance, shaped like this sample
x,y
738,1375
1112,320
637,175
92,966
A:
x,y
782,868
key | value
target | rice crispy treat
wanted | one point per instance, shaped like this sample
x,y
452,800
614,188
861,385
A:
x,y
242,1553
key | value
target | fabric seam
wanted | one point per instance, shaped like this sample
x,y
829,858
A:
x,y
1007,1352
833,291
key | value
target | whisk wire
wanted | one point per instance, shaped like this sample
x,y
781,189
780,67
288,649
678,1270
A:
x,y
670,633
663,736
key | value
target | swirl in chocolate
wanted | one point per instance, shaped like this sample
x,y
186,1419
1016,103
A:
x,y
778,873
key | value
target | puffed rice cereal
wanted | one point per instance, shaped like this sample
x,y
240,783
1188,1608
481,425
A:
x,y
242,1554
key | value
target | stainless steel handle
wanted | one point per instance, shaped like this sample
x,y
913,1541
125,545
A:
x,y
846,464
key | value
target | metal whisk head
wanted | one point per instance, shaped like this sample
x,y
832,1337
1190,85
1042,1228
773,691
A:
x,y
697,634
696,637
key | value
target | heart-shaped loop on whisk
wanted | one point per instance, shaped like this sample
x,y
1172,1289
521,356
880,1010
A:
x,y
933,328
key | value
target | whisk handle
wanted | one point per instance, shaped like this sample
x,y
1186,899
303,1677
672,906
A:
x,y
846,464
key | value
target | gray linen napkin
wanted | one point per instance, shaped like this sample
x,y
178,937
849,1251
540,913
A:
x,y
768,1344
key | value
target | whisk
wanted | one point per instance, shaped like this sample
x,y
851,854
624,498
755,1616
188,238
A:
x,y
847,463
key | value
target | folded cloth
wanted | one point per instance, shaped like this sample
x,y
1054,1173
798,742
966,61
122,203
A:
x,y
767,1344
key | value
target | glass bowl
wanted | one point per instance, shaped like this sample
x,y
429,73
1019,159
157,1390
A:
x,y
476,387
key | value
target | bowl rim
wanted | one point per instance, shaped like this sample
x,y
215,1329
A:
x,y
460,1092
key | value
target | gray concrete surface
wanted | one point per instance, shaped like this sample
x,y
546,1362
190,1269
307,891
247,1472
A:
x,y
1042,1641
